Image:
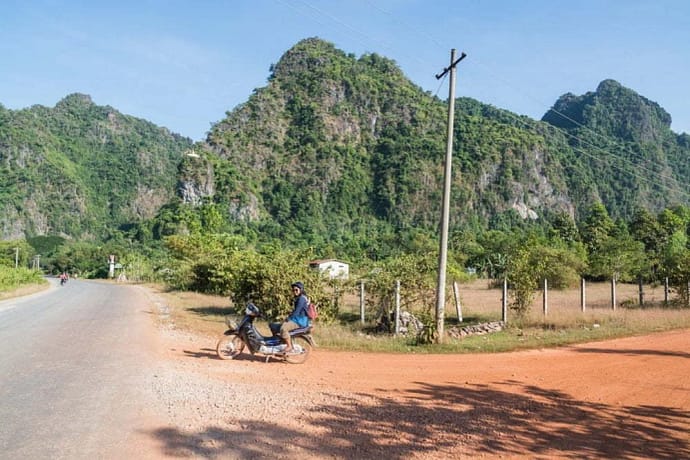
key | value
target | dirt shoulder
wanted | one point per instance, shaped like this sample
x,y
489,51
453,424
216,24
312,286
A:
x,y
627,398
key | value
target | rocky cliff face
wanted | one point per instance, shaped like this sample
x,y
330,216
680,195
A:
x,y
79,170
612,110
195,180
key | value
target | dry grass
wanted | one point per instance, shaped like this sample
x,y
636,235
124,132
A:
x,y
24,290
479,299
199,313
564,323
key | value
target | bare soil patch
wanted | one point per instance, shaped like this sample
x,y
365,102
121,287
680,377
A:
x,y
626,398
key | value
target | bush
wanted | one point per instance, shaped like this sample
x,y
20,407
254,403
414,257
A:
x,y
265,279
12,278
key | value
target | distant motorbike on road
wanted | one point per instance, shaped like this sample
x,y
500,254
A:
x,y
245,334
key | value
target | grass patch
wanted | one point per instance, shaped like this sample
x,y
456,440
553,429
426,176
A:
x,y
564,325
15,282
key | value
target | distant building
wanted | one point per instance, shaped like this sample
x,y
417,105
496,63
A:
x,y
333,268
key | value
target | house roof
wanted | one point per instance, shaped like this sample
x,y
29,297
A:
x,y
323,261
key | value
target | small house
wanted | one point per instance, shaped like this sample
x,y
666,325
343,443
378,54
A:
x,y
333,268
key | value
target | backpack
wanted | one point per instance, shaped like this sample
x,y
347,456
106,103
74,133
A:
x,y
312,313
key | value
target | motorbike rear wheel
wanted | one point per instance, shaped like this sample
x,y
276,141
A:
x,y
229,347
304,347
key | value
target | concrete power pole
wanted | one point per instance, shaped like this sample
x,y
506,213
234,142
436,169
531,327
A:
x,y
443,249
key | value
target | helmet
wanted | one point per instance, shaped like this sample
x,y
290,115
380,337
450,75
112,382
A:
x,y
298,284
252,310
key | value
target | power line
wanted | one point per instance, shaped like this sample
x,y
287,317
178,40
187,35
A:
x,y
677,188
367,39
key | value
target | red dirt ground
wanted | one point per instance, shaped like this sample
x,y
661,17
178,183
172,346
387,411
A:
x,y
626,398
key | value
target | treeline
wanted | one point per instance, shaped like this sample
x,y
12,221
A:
x,y
651,247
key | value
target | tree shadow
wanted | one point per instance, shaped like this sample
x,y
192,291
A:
x,y
213,311
449,421
677,354
208,353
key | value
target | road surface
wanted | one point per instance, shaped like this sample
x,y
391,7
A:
x,y
98,370
73,366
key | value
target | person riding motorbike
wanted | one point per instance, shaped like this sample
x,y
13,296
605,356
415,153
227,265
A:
x,y
298,318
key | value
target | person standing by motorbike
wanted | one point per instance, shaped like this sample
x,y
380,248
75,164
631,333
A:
x,y
298,318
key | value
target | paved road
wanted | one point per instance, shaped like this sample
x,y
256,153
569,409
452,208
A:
x,y
73,362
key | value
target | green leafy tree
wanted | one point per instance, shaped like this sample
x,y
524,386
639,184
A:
x,y
417,275
530,261
16,252
676,265
265,279
596,227
645,228
619,257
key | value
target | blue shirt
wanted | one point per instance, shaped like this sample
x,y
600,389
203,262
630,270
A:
x,y
299,312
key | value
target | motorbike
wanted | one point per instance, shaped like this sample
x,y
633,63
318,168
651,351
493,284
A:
x,y
246,335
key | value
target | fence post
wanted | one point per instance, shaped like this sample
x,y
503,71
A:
x,y
641,290
361,301
504,301
666,291
613,292
397,307
545,300
582,294
458,306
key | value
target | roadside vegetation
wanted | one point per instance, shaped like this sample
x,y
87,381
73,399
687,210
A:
x,y
231,267
565,323
19,281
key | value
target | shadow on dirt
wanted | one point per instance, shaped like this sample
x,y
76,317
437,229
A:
x,y
213,311
448,421
676,354
210,353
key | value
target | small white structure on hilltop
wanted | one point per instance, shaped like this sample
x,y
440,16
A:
x,y
333,268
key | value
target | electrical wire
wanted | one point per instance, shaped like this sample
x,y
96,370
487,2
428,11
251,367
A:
x,y
367,39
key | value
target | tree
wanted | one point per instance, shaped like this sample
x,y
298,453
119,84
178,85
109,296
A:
x,y
621,258
531,261
596,227
676,265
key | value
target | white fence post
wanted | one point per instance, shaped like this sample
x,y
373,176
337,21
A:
x,y
641,290
546,297
397,307
361,301
458,306
582,294
504,301
666,291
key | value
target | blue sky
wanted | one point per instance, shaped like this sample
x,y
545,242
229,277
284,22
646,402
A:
x,y
183,64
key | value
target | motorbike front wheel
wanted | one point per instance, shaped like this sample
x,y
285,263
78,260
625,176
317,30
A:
x,y
302,349
229,347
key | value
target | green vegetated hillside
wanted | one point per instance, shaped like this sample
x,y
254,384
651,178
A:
x,y
342,149
80,170
340,153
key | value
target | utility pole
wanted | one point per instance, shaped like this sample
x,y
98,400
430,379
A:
x,y
443,251
16,258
